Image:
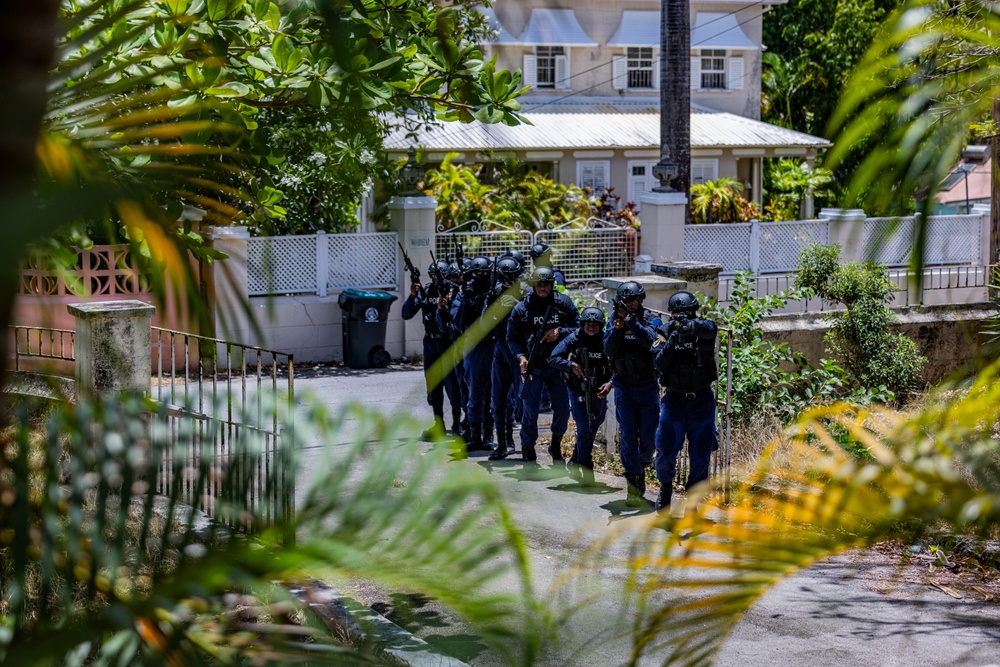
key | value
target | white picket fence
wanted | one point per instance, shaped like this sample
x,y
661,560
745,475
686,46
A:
x,y
774,247
318,263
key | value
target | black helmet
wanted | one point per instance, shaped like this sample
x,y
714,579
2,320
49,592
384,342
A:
x,y
538,250
508,268
682,302
439,265
481,265
593,315
519,256
542,274
453,270
466,266
631,289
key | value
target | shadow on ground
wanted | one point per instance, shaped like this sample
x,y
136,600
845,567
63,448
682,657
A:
x,y
415,613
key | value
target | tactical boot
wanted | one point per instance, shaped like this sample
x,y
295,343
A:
x,y
555,449
633,497
663,500
510,438
528,454
475,441
499,452
587,476
488,432
436,431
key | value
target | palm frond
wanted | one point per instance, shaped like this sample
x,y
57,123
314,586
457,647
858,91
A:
x,y
697,578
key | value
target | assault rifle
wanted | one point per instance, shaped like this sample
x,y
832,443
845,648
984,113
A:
x,y
413,271
459,252
442,286
535,341
588,386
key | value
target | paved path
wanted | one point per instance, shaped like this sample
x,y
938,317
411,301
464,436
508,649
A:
x,y
821,616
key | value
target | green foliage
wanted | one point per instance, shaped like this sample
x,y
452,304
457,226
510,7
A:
x,y
721,201
503,193
93,569
789,182
862,336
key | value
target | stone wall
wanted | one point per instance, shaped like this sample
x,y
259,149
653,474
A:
x,y
949,336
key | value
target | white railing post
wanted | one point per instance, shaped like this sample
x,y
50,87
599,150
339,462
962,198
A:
x,y
322,262
754,246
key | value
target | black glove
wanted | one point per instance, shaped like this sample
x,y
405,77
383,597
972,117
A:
x,y
686,327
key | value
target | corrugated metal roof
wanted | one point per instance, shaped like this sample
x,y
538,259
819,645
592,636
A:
x,y
571,128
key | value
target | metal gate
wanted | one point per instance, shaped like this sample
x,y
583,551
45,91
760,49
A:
x,y
225,412
481,237
583,249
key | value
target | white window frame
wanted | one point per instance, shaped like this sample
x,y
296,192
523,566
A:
x,y
559,67
605,165
709,168
651,181
713,57
636,64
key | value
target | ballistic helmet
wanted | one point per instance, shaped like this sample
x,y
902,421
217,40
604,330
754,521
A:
x,y
538,250
631,289
439,265
481,265
466,266
542,274
519,256
682,302
508,268
593,315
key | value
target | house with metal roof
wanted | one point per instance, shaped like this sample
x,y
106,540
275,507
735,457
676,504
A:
x,y
593,66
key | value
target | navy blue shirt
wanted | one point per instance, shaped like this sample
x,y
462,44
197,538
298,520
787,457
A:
x,y
629,347
528,318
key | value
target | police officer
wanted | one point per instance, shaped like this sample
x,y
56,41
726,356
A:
x,y
478,354
538,322
685,361
627,343
580,356
541,255
456,275
505,378
427,300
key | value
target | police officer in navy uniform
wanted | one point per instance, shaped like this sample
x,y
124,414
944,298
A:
x,y
541,255
627,343
685,361
456,275
426,300
505,378
580,356
478,355
537,323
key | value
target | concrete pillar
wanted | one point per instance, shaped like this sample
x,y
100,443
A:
x,y
847,228
414,221
227,284
662,229
113,346
701,278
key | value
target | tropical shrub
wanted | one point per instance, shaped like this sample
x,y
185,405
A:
x,y
862,336
721,200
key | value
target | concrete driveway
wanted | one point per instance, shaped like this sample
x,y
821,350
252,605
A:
x,y
825,615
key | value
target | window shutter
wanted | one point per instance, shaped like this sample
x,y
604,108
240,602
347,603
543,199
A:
x,y
619,72
529,72
562,73
695,72
734,77
656,71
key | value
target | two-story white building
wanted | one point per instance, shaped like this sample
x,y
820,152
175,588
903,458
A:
x,y
593,66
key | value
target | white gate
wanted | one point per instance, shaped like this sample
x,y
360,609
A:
x,y
481,237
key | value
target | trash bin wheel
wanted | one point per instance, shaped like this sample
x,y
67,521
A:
x,y
380,357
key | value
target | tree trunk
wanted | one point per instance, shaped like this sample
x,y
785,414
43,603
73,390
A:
x,y
28,30
675,88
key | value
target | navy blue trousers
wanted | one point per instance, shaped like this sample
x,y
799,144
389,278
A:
x,y
692,418
434,349
505,381
478,368
583,451
531,394
636,409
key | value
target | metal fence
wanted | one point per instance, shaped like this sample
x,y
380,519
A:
x,y
318,263
772,247
583,249
41,343
938,285
228,407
